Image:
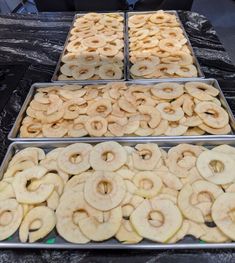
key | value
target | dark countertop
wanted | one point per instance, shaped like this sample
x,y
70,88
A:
x,y
30,46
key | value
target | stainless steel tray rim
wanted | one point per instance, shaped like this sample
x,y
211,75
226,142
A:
x,y
15,129
145,245
196,63
57,68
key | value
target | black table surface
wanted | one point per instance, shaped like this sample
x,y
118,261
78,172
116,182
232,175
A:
x,y
30,46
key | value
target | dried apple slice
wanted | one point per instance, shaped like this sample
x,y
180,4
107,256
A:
x,y
216,167
157,220
14,212
47,218
223,214
23,195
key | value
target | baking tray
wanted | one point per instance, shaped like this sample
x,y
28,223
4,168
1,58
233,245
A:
x,y
172,12
59,63
14,133
53,241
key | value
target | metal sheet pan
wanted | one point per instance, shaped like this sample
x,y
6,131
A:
x,y
14,133
53,241
195,61
59,63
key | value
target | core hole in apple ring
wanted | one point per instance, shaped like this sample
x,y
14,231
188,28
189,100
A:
x,y
146,184
156,218
167,89
216,166
104,187
145,154
75,158
108,156
96,125
169,110
73,107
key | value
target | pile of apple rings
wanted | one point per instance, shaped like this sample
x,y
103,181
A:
x,y
158,47
95,48
119,109
97,192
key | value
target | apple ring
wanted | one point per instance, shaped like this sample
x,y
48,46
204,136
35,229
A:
x,y
167,91
153,113
148,43
222,214
169,113
73,46
31,129
78,34
142,68
146,156
176,33
15,211
170,45
74,158
175,129
212,115
89,58
179,152
151,59
96,126
72,108
187,71
102,107
82,72
23,195
201,91
108,50
225,130
70,58
136,19
94,42
47,219
107,156
148,184
159,18
104,190
66,69
164,70
139,34
162,53
110,71
157,220
179,57
54,129
78,127
215,167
